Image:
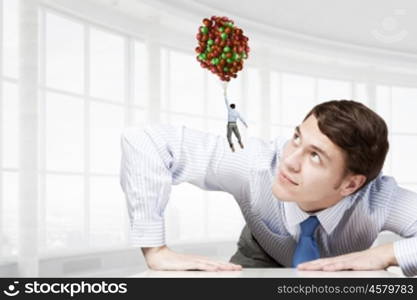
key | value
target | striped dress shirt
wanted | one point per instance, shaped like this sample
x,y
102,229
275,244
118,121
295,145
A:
x,y
157,157
232,113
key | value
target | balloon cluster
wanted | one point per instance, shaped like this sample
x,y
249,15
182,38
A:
x,y
222,47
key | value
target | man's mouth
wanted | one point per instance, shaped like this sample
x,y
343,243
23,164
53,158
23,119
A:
x,y
284,178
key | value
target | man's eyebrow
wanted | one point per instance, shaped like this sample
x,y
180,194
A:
x,y
314,147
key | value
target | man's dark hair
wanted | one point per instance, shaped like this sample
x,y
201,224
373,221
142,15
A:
x,y
358,131
232,105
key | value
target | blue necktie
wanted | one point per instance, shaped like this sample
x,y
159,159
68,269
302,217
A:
x,y
307,248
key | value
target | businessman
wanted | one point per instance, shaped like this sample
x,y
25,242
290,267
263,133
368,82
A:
x,y
232,116
316,201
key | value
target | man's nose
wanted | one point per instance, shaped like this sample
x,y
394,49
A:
x,y
293,161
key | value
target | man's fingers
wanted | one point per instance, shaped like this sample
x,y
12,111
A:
x,y
338,266
230,266
318,264
202,266
220,266
167,260
327,265
312,265
207,267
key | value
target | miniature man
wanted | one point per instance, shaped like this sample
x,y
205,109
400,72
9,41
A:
x,y
232,116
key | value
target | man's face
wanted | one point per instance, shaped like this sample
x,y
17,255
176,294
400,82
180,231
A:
x,y
312,169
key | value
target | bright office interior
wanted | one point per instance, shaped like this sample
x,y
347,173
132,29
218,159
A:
x,y
74,73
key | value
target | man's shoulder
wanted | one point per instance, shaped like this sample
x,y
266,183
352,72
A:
x,y
262,153
378,192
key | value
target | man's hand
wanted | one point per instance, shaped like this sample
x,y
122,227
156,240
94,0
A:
x,y
164,259
372,259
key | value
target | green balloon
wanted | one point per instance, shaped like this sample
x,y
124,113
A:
x,y
215,61
230,24
224,56
223,35
210,42
221,29
208,48
202,56
236,56
226,69
229,60
226,49
244,55
204,29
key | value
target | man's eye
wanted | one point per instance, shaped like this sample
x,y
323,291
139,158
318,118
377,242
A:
x,y
315,157
296,138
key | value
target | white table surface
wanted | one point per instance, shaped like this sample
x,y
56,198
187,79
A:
x,y
266,273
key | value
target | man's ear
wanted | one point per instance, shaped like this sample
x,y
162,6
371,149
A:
x,y
352,184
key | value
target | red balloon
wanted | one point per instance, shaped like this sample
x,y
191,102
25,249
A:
x,y
207,22
232,37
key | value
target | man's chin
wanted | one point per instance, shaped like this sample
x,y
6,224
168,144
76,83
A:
x,y
280,194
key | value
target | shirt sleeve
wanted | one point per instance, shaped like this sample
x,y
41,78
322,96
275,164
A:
x,y
402,219
157,157
241,119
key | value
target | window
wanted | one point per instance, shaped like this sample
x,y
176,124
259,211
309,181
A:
x,y
9,214
254,102
106,123
404,106
10,38
64,132
297,97
329,89
224,212
10,127
396,105
109,220
187,207
140,74
65,213
107,68
186,84
64,54
86,108
9,135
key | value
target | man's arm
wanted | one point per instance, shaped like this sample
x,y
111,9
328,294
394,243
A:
x,y
157,157
242,120
226,101
402,220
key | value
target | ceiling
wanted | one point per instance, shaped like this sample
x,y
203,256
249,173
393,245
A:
x,y
384,24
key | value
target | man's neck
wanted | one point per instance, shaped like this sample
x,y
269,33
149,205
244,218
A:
x,y
312,208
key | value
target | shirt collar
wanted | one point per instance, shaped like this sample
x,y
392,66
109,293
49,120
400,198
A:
x,y
329,217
